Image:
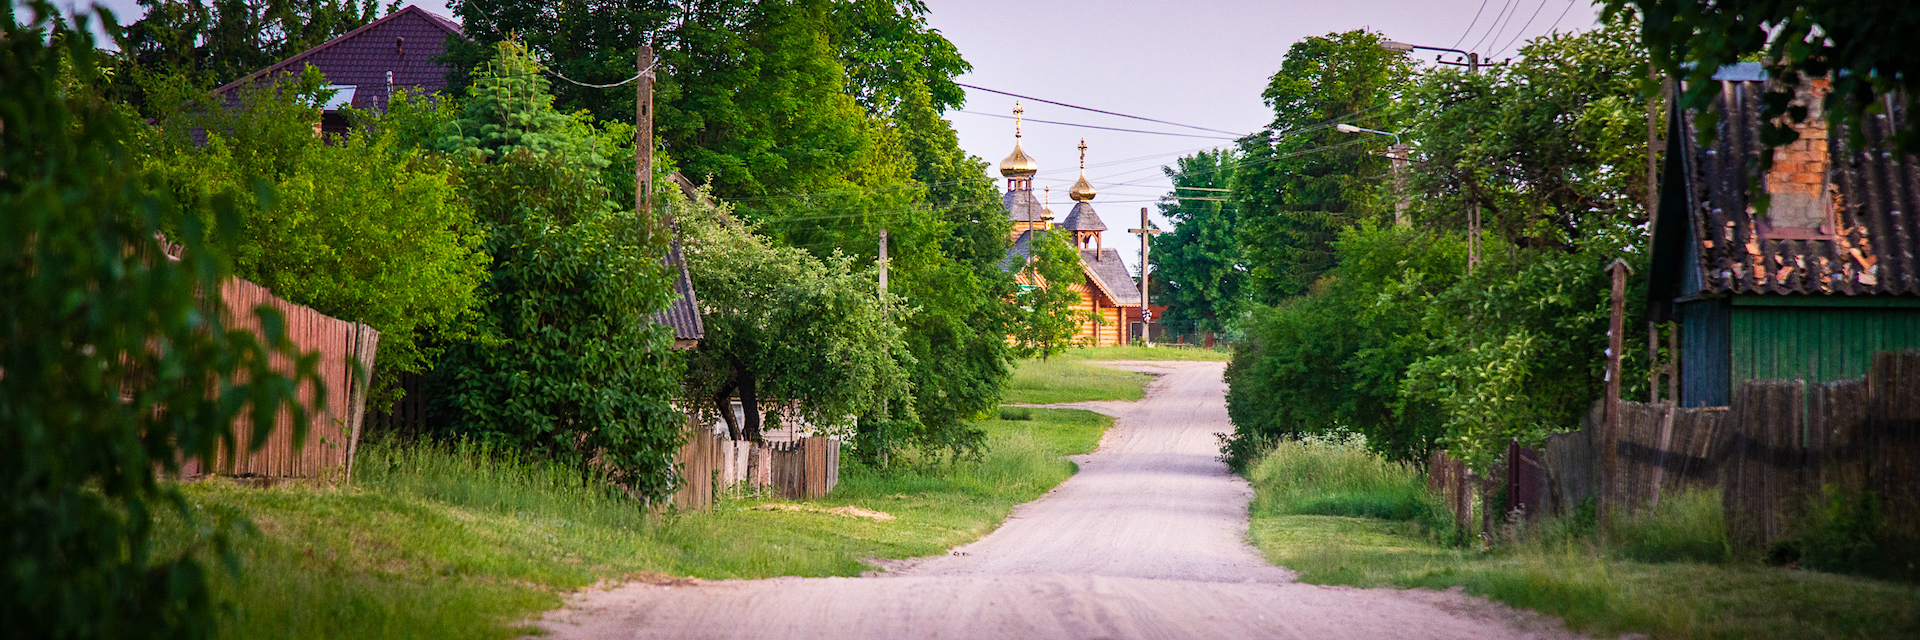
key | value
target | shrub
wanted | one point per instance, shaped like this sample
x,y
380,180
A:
x,y
1340,476
1686,526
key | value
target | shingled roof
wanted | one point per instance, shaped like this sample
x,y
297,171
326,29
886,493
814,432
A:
x,y
1083,218
683,314
1022,206
405,42
1852,229
1104,267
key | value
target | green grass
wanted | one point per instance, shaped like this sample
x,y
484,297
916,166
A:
x,y
1666,573
458,543
1068,376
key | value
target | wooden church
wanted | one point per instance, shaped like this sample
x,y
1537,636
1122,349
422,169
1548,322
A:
x,y
1108,292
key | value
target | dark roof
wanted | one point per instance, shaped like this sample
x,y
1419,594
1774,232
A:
x,y
1104,267
1020,252
1022,206
405,42
683,314
1083,218
1708,240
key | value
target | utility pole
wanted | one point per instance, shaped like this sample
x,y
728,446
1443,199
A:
x,y
1610,426
1472,61
1146,231
643,137
1398,155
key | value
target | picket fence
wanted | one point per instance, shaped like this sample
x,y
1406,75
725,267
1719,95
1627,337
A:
x,y
711,466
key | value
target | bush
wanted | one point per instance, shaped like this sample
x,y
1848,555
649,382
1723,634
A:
x,y
1340,476
1846,532
117,360
1686,526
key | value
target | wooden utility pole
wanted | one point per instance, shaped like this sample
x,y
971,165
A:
x,y
883,266
1146,232
1399,154
1610,427
643,137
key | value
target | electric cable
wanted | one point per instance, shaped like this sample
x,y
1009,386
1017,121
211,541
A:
x,y
1523,29
1095,126
1100,111
1497,19
1470,25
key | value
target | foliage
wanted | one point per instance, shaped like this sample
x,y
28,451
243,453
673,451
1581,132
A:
x,y
1545,146
1861,46
809,336
1299,182
565,361
119,361
1333,361
1444,356
1199,268
1050,310
1847,531
361,228
1342,476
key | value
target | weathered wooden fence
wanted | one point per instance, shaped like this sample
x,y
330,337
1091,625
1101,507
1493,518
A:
x,y
1772,453
346,351
710,466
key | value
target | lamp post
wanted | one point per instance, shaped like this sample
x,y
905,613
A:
x,y
1398,154
1473,62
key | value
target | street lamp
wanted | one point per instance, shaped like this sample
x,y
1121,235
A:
x,y
1398,154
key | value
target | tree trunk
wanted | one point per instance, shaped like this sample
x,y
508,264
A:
x,y
722,400
749,400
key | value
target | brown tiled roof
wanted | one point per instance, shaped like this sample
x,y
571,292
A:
x,y
405,42
1709,240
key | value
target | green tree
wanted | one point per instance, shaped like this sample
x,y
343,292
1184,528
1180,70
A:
x,y
1863,47
565,360
119,362
1299,181
1199,268
213,42
362,228
785,326
1050,309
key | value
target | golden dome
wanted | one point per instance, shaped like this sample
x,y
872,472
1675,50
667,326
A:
x,y
1018,164
1082,190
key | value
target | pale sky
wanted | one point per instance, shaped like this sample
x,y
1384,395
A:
x,y
1197,63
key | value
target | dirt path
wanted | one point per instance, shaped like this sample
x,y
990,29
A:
x,y
1148,540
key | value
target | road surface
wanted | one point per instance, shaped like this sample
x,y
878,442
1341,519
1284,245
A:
x,y
1148,540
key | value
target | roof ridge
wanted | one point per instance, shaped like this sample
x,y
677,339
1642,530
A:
x,y
437,20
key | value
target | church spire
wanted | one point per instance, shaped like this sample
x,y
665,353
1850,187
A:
x,y
1018,167
1082,190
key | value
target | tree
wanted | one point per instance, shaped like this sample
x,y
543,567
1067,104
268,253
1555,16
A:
x,y
361,228
1299,181
1863,47
119,362
1198,267
810,337
1050,308
565,360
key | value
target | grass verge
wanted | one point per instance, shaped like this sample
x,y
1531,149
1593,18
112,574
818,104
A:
x,y
453,542
1068,376
1665,573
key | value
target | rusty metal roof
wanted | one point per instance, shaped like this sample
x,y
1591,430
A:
x,y
1859,237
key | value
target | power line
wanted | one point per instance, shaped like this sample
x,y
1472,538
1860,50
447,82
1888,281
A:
x,y
1497,19
1523,29
1470,25
1100,111
1094,126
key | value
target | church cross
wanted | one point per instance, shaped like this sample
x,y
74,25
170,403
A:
x,y
1145,231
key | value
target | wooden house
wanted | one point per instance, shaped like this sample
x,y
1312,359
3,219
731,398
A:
x,y
1808,289
1107,288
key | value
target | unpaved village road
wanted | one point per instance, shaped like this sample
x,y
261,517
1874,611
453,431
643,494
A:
x,y
1148,540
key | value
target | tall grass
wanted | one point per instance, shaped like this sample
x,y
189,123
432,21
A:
x,y
1337,514
1339,476
462,541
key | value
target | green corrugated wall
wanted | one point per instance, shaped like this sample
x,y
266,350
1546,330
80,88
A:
x,y
1816,344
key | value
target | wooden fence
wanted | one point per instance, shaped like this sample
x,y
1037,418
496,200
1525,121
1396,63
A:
x,y
1772,453
711,466
346,351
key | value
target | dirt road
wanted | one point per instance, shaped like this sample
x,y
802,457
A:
x,y
1148,540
